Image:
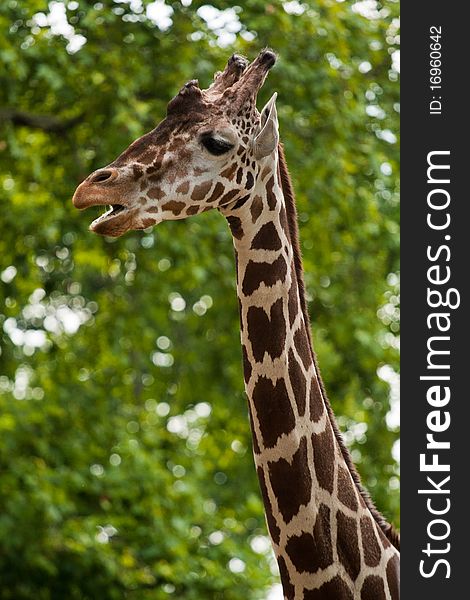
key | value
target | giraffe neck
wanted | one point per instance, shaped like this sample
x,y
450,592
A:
x,y
325,538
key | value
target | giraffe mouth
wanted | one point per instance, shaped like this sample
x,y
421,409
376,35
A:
x,y
113,210
114,221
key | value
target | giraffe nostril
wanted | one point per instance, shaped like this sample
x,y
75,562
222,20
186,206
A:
x,y
103,175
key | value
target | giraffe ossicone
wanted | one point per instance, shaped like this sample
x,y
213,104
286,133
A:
x,y
215,150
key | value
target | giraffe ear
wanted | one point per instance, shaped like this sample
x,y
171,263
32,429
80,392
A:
x,y
268,138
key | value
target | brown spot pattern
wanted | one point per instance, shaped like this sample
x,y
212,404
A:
x,y
324,457
309,553
373,588
254,435
183,188
229,171
286,477
284,222
228,196
288,588
267,238
347,544
147,157
316,400
267,273
370,545
270,194
216,192
272,525
393,577
247,369
242,327
156,178
240,202
156,166
256,208
175,207
385,541
346,489
193,210
302,346
250,181
293,302
235,227
137,171
155,193
298,383
266,171
266,334
273,408
335,589
201,190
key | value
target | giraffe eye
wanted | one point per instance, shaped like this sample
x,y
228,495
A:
x,y
214,145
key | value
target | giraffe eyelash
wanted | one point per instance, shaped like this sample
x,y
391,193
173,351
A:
x,y
215,146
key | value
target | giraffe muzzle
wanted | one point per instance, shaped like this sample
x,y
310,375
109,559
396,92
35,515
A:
x,y
106,188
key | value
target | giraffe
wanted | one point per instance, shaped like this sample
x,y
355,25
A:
x,y
215,150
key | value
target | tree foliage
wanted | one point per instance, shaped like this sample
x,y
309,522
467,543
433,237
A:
x,y
125,461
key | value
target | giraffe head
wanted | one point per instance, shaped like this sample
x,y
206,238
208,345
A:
x,y
207,153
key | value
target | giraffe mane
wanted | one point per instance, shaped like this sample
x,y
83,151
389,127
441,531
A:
x,y
291,210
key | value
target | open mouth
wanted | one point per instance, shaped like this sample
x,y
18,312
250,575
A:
x,y
119,210
109,215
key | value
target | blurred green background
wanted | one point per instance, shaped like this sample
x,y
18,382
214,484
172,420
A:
x,y
125,459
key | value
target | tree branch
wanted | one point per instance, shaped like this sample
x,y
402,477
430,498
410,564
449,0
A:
x,y
47,123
